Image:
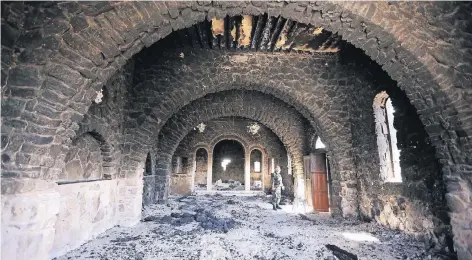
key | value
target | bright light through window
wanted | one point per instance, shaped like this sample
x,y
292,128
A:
x,y
257,166
224,163
389,154
319,144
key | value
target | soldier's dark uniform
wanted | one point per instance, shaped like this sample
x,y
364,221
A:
x,y
277,186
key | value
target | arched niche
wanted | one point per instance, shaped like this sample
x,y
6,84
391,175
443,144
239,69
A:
x,y
257,168
85,159
229,165
201,168
148,169
149,180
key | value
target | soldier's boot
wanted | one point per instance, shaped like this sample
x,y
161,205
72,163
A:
x,y
274,207
278,207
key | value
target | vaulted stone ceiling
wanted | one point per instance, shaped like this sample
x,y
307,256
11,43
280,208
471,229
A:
x,y
56,55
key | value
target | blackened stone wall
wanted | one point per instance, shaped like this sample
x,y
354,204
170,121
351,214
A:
x,y
84,160
97,39
106,119
417,205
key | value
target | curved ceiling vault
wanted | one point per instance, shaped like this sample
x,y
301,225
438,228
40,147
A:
x,y
316,86
122,29
217,129
285,122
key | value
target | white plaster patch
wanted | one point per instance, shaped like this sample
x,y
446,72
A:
x,y
86,210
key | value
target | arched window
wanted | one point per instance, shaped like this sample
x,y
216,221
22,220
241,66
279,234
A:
x,y
148,165
389,154
256,159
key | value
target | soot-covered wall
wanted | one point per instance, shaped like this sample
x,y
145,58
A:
x,y
417,204
87,209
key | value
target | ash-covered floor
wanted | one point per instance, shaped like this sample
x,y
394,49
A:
x,y
220,227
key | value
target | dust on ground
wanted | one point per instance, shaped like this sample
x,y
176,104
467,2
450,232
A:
x,y
221,227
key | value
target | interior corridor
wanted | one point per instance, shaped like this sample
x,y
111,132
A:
x,y
112,109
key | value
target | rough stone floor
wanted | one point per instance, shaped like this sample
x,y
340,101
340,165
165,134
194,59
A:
x,y
220,227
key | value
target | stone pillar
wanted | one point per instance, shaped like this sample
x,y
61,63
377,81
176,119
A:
x,y
209,171
194,170
299,203
264,169
130,199
247,171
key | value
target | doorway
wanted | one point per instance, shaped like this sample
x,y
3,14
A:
x,y
319,182
228,170
317,171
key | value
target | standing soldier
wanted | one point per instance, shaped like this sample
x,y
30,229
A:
x,y
277,187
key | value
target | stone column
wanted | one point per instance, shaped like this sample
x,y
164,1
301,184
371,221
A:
x,y
209,171
264,169
129,200
194,170
247,172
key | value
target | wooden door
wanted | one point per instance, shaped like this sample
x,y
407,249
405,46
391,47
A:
x,y
319,182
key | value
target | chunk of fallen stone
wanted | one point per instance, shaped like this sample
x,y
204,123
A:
x,y
151,218
340,253
164,219
176,214
125,239
300,246
305,217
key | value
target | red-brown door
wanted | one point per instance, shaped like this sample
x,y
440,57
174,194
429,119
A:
x,y
319,182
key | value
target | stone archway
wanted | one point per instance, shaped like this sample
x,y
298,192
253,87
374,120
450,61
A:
x,y
262,173
283,121
156,20
129,26
230,127
200,167
235,169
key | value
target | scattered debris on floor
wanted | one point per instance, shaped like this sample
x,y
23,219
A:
x,y
221,227
340,253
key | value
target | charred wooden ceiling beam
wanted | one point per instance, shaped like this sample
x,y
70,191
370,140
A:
x,y
228,32
291,33
261,21
279,26
257,33
203,32
282,38
266,33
